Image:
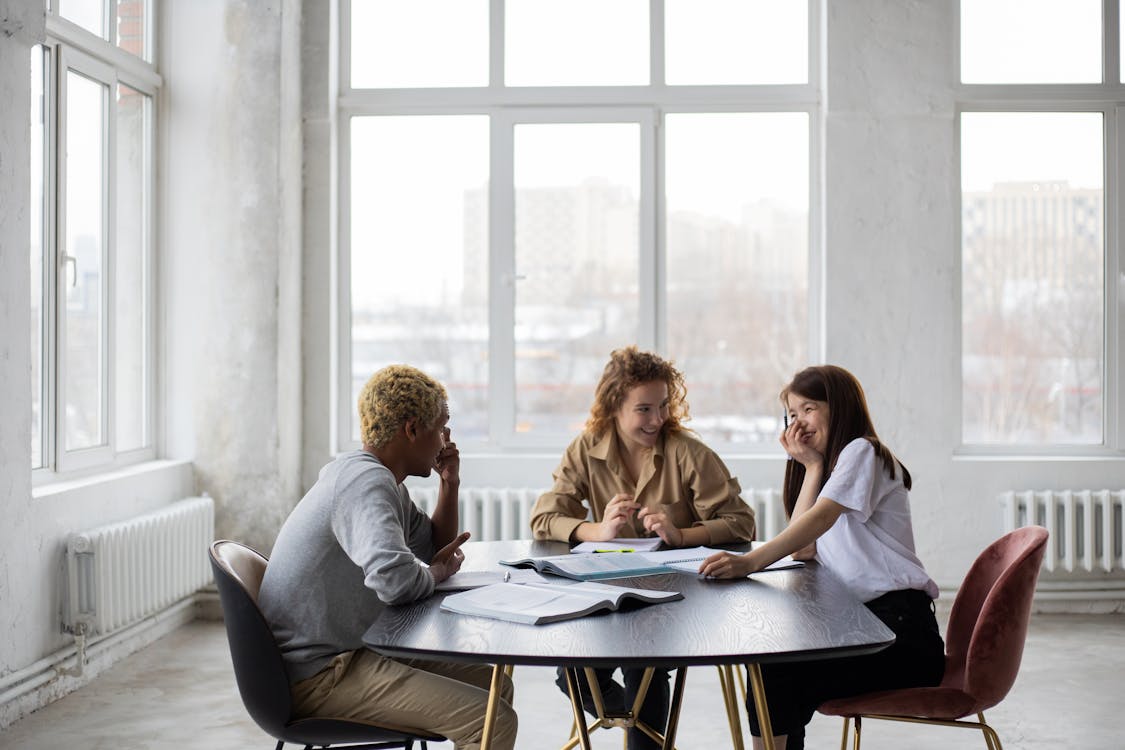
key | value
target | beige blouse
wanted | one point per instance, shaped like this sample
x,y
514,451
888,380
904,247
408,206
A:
x,y
683,478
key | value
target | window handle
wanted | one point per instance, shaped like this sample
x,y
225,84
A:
x,y
68,260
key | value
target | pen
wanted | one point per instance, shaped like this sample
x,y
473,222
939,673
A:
x,y
785,417
614,550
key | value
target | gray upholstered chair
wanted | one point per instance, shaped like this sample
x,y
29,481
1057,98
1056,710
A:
x,y
259,671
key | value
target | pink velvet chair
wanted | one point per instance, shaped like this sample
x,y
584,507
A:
x,y
983,645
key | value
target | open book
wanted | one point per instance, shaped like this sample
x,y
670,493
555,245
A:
x,y
689,562
596,566
692,566
538,603
475,579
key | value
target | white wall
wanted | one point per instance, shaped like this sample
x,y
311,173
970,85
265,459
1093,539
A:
x,y
230,232
20,27
37,522
229,227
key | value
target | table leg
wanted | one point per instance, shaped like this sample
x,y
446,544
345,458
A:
x,y
576,705
493,702
759,689
674,709
730,699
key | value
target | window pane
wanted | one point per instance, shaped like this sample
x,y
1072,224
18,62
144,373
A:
x,y
419,256
89,14
576,43
1031,41
1032,301
577,189
38,224
736,42
130,291
419,43
737,188
85,231
131,26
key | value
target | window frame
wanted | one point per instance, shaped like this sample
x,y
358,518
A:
x,y
68,47
507,107
1108,99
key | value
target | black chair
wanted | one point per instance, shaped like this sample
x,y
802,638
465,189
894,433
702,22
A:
x,y
258,667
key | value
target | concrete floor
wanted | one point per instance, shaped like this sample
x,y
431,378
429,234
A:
x,y
180,692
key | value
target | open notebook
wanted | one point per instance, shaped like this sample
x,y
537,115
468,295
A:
x,y
538,603
595,566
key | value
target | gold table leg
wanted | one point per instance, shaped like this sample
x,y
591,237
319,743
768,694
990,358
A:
x,y
758,687
493,702
674,709
576,706
730,700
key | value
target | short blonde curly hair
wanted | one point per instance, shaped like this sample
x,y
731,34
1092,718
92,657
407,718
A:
x,y
393,395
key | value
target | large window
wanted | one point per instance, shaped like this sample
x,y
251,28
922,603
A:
x,y
92,124
1039,115
529,184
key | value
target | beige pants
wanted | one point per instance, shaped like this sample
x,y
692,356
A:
x,y
411,694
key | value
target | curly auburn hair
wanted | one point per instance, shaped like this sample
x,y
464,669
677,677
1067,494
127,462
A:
x,y
393,395
627,368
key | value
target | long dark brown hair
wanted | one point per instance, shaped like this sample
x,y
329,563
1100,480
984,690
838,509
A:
x,y
848,419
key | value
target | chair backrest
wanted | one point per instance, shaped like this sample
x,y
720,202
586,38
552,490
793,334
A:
x,y
258,667
988,622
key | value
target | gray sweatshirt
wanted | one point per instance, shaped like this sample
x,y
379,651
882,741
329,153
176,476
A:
x,y
354,544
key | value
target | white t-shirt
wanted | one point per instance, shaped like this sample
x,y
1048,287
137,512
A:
x,y
871,545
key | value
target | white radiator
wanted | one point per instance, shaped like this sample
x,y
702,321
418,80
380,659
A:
x,y
1086,526
489,513
769,512
122,572
493,513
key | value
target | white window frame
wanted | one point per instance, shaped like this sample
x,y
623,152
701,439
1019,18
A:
x,y
1108,99
507,107
72,48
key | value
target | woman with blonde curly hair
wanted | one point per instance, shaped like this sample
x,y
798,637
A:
x,y
642,474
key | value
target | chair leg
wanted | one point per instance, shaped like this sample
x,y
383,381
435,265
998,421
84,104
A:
x,y
280,745
844,739
990,737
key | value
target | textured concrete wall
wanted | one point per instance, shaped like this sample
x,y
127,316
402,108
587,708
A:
x,y
231,233
21,25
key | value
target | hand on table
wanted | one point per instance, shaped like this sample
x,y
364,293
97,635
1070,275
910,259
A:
x,y
727,565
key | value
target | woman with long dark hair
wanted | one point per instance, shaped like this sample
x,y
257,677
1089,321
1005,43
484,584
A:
x,y
849,508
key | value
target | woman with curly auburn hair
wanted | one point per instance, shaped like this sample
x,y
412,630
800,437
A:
x,y
642,474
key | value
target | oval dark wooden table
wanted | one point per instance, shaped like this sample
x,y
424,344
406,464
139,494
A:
x,y
775,616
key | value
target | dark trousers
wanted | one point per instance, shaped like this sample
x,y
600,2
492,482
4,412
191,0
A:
x,y
917,659
618,700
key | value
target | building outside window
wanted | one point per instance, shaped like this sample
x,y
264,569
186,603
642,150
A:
x,y
1039,109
